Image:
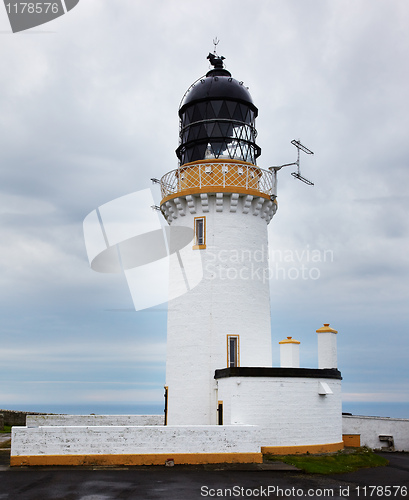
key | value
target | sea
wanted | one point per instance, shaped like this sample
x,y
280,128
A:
x,y
392,410
89,408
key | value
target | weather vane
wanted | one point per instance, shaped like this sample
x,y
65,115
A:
x,y
215,43
215,60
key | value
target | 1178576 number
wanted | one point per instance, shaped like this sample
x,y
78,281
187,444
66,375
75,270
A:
x,y
382,491
32,8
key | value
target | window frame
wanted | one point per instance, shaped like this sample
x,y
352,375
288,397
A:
x,y
220,413
237,350
197,245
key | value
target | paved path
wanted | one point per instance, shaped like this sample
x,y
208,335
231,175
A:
x,y
4,437
196,482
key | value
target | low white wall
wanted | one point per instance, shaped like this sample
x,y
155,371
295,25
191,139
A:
x,y
370,428
93,420
290,410
134,440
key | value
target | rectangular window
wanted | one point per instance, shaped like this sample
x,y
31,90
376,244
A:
x,y
233,351
200,233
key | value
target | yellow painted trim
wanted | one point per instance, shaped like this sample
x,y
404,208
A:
x,y
351,440
326,328
215,189
195,246
144,459
228,347
299,450
290,340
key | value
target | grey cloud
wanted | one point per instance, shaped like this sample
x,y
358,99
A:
x,y
89,114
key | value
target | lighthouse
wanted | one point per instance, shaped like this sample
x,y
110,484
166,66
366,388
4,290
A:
x,y
224,401
228,201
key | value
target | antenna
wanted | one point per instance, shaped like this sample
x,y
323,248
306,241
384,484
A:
x,y
297,175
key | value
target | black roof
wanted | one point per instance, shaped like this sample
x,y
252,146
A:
x,y
218,84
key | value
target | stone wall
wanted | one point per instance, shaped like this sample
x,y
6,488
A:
x,y
12,417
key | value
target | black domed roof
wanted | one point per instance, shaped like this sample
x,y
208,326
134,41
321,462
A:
x,y
218,84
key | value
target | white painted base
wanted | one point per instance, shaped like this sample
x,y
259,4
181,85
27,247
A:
x,y
120,440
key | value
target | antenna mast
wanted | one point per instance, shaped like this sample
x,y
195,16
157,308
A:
x,y
296,175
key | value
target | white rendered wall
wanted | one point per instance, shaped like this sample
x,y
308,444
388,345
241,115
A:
x,y
117,440
370,428
92,420
233,298
290,410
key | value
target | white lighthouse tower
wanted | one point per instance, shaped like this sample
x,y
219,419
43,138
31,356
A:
x,y
218,204
227,200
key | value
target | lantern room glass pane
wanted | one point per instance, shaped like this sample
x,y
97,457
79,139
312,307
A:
x,y
218,128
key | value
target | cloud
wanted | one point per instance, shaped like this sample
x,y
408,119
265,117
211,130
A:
x,y
375,397
81,392
85,351
89,114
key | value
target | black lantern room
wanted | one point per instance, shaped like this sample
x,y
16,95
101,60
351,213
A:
x,y
217,118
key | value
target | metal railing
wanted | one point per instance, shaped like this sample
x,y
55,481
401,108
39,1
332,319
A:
x,y
218,174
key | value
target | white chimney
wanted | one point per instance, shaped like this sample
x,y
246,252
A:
x,y
327,347
289,353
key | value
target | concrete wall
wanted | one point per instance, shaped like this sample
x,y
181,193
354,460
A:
x,y
370,428
93,420
290,410
132,440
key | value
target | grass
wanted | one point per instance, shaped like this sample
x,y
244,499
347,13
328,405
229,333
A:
x,y
336,463
7,428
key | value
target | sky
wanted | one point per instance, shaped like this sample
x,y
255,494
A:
x,y
88,114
